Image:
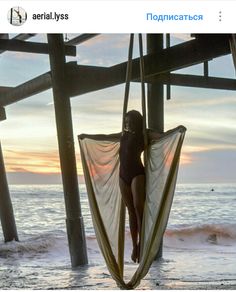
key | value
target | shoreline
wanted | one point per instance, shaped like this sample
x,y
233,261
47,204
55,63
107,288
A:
x,y
199,285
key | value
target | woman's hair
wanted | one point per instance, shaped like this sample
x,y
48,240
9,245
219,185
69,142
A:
x,y
136,120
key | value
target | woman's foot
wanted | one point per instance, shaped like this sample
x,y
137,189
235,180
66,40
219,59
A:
x,y
138,252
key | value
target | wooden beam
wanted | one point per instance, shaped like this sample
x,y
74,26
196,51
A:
x,y
81,38
4,36
189,53
4,89
92,78
27,89
90,75
170,59
194,81
31,47
23,36
84,79
2,114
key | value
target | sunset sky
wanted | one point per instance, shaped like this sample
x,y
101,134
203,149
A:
x,y
28,136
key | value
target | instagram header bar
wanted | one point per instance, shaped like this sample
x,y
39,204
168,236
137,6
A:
x,y
118,16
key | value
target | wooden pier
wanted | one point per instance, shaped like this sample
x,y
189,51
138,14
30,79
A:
x,y
70,79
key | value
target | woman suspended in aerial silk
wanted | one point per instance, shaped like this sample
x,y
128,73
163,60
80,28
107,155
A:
x,y
132,172
116,178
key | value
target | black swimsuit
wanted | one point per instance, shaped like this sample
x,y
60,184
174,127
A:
x,y
131,147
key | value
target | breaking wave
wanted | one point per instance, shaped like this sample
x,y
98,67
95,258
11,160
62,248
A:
x,y
201,236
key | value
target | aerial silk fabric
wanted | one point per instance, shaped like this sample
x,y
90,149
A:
x,y
233,48
100,161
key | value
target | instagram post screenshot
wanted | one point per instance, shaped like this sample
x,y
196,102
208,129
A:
x,y
117,145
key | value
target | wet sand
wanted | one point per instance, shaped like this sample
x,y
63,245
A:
x,y
98,278
176,270
103,281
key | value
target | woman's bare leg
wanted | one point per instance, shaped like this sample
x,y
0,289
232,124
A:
x,y
139,196
128,200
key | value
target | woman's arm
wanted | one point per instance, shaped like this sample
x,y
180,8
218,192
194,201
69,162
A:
x,y
102,137
153,135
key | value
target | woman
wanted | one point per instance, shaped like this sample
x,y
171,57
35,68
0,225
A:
x,y
132,175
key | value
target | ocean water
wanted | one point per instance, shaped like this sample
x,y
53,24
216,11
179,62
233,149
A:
x,y
199,248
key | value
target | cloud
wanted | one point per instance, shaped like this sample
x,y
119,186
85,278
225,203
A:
x,y
44,162
104,50
41,162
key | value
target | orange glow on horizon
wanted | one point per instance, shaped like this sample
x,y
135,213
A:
x,y
185,158
35,162
47,162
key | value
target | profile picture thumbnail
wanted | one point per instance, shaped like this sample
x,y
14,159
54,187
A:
x,y
17,16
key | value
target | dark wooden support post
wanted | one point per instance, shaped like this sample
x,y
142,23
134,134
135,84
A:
x,y
2,114
6,209
206,69
155,97
168,90
74,221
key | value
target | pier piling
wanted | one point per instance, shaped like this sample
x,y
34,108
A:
x,y
155,97
6,209
74,221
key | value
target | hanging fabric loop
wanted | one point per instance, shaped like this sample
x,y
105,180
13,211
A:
x,y
100,159
127,84
143,95
127,79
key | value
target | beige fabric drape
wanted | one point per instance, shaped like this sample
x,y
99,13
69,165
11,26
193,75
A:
x,y
233,48
100,161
